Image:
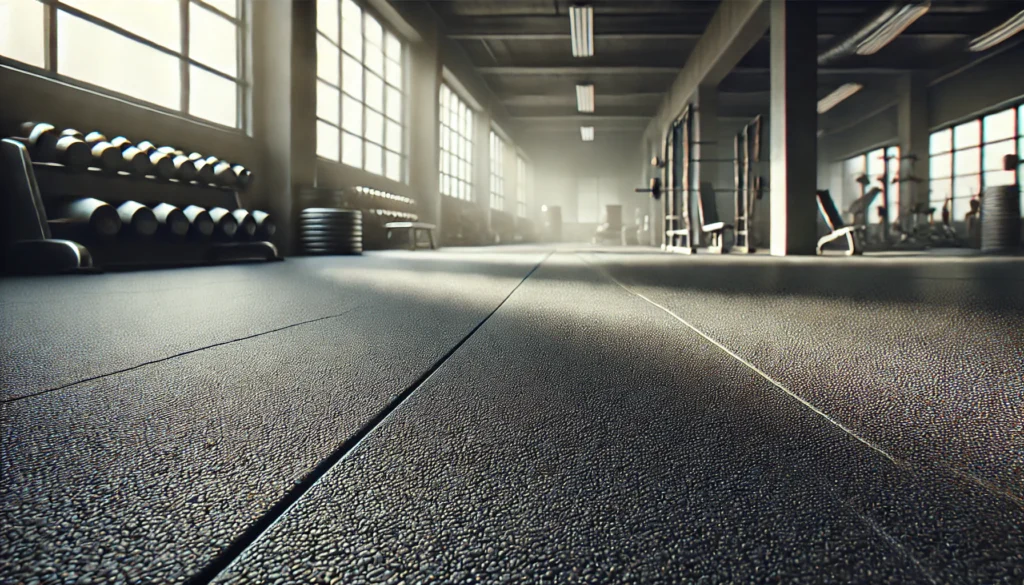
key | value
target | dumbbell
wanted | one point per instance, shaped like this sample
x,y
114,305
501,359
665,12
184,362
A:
x,y
265,226
104,154
226,224
243,176
163,166
136,161
204,169
98,216
200,223
41,139
222,172
171,219
140,219
185,168
246,223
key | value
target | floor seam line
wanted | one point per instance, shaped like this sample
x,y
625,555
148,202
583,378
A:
x,y
177,355
234,551
757,370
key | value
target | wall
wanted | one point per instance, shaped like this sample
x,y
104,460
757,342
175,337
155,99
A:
x,y
279,144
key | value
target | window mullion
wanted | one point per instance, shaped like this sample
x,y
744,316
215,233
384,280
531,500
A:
x,y
50,34
183,62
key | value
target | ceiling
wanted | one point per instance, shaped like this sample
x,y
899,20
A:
x,y
522,49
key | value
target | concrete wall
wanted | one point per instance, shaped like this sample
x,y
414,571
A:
x,y
279,140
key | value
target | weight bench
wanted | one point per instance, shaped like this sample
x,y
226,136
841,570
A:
x,y
838,229
709,223
412,229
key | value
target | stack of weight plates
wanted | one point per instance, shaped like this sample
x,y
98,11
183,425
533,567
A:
x,y
1000,219
331,231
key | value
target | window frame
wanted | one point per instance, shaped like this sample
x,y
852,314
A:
x,y
961,204
498,147
364,72
49,70
459,132
522,178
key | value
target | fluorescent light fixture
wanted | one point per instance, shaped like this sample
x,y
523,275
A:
x,y
585,98
832,100
587,133
998,34
892,28
581,23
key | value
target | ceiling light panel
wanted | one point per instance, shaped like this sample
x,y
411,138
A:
x,y
581,25
998,34
585,98
833,99
892,28
587,133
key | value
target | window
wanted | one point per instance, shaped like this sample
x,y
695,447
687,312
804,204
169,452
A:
x,y
967,158
497,172
522,173
145,43
360,107
880,167
456,145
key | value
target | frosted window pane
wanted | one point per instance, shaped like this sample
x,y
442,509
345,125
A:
x,y
393,138
352,115
326,141
155,20
212,97
352,73
327,102
374,126
327,19
21,32
374,159
351,150
326,60
213,39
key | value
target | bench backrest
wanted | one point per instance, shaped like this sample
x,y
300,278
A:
x,y
707,205
829,211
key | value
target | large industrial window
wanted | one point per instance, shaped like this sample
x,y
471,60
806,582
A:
x,y
182,55
456,143
522,173
967,158
879,166
359,101
497,172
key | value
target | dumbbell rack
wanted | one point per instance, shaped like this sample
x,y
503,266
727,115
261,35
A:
x,y
30,188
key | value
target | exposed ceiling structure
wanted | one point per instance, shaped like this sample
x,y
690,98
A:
x,y
523,49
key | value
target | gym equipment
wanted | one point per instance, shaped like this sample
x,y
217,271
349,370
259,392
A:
x,y
185,169
226,225
136,162
41,139
139,218
709,222
749,189
265,225
1000,219
331,231
973,221
200,222
66,148
222,172
243,176
172,219
104,154
834,221
204,170
98,216
551,217
611,230
246,223
417,234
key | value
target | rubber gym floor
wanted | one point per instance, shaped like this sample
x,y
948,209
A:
x,y
517,415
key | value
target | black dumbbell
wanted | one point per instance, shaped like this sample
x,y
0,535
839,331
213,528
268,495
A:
x,y
136,161
100,217
163,166
222,172
140,219
246,223
265,226
104,154
41,139
171,219
185,169
200,223
227,225
243,176
204,170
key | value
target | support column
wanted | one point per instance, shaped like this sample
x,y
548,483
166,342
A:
x,y
482,171
913,140
423,126
794,126
705,134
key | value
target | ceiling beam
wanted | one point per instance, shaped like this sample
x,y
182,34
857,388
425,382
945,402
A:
x,y
581,119
653,36
621,99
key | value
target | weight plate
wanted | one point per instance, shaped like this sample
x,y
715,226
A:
x,y
330,210
332,243
332,218
331,232
349,252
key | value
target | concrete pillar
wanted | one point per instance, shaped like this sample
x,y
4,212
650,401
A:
x,y
794,125
423,125
482,168
914,137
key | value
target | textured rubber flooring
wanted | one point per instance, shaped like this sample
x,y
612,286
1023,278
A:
x,y
155,424
581,435
148,474
924,357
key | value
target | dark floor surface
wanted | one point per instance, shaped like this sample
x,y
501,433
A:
x,y
614,417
